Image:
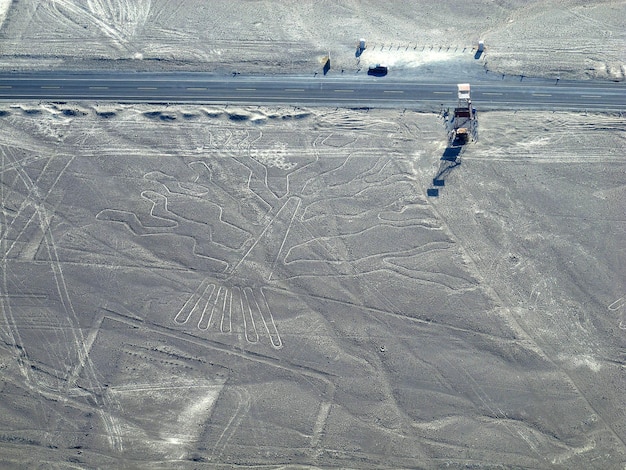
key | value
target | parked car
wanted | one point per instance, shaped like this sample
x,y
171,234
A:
x,y
378,69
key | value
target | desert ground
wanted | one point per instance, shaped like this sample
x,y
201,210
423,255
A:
x,y
271,287
566,38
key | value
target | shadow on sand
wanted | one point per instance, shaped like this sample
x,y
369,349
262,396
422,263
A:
x,y
450,154
326,67
449,160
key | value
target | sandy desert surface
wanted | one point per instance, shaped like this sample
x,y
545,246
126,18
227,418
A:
x,y
270,287
566,38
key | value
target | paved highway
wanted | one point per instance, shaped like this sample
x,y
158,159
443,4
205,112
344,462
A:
x,y
343,91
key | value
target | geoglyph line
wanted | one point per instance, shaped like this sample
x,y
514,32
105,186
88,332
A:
x,y
614,307
247,308
217,306
76,343
184,313
619,303
211,301
271,329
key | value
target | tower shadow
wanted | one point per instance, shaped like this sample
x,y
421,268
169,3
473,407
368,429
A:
x,y
450,159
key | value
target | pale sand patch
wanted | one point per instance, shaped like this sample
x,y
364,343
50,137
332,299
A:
x,y
566,38
4,9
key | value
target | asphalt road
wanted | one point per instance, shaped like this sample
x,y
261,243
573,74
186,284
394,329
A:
x,y
343,91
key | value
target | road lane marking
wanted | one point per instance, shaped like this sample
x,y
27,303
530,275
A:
x,y
98,87
344,91
393,91
48,87
294,89
146,88
442,92
541,94
245,89
590,96
6,86
196,88
489,93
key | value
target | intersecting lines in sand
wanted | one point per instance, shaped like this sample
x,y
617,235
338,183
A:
x,y
118,22
237,310
47,337
238,305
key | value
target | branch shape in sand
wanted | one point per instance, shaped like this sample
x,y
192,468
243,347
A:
x,y
238,305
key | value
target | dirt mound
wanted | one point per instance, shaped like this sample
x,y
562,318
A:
x,y
106,112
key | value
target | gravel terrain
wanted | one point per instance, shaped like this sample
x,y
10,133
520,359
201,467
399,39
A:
x,y
216,286
272,36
